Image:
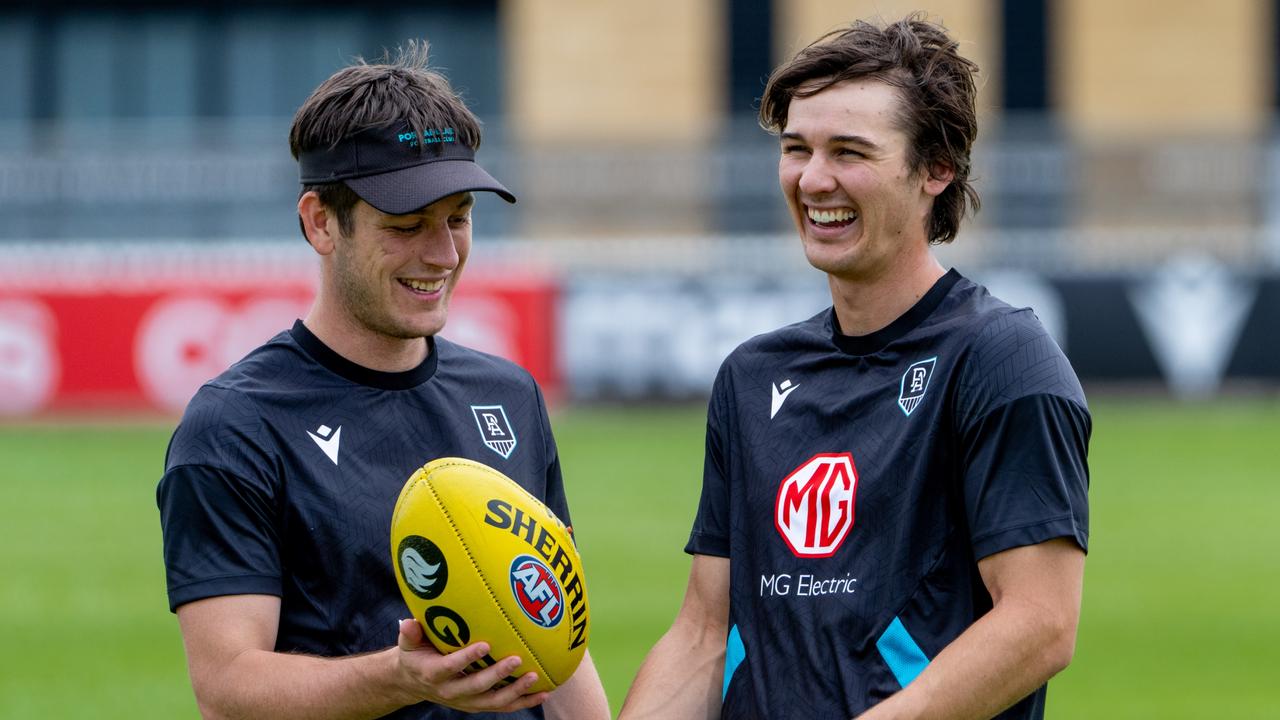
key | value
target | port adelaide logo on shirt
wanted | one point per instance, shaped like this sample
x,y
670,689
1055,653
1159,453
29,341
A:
x,y
495,429
915,382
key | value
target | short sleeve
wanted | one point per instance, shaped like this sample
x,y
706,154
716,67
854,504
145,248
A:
x,y
218,501
220,535
1026,475
710,534
555,498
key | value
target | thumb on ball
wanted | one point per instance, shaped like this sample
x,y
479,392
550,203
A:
x,y
411,636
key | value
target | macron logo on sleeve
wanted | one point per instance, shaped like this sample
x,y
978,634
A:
x,y
327,440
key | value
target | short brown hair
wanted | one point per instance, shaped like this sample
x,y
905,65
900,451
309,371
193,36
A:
x,y
935,85
398,89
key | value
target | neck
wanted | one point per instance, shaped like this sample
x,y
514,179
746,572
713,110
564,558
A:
x,y
866,304
361,345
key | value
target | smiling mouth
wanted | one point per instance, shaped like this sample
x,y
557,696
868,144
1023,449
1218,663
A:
x,y
831,218
422,286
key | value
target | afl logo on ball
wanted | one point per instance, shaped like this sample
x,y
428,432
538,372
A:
x,y
537,591
422,566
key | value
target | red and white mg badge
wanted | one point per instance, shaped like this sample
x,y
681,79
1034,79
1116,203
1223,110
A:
x,y
814,511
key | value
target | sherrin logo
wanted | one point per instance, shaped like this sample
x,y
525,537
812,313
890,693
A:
x,y
537,591
814,510
561,571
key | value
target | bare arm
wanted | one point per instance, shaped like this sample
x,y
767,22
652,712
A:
x,y
1029,636
684,672
581,698
236,674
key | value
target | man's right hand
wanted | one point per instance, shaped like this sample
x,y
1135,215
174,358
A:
x,y
683,674
443,680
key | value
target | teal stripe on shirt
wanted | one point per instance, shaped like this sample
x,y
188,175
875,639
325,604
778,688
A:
x,y
904,657
734,653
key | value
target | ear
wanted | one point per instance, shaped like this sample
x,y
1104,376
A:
x,y
318,222
938,178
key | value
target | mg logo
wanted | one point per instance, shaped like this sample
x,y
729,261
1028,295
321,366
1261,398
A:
x,y
815,505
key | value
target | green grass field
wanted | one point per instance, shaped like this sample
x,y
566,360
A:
x,y
1182,591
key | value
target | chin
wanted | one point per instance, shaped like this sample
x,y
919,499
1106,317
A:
x,y
412,328
426,329
421,323
827,259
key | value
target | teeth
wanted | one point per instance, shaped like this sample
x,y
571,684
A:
x,y
423,285
830,216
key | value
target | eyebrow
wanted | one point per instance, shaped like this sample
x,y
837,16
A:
x,y
836,139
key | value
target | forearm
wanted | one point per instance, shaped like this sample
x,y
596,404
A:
x,y
681,677
1000,659
581,698
260,683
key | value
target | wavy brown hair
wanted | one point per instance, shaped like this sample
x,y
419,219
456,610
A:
x,y
935,85
399,89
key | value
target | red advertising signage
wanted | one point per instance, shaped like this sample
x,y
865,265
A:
x,y
138,344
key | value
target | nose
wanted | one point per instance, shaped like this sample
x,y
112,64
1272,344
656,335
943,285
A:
x,y
816,178
439,246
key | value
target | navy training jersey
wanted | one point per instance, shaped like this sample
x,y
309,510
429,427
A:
x,y
854,483
282,476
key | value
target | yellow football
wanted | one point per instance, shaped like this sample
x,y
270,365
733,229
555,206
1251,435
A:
x,y
479,558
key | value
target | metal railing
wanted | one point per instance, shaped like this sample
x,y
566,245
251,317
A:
x,y
1048,199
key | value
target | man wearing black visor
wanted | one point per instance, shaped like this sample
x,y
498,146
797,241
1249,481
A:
x,y
280,480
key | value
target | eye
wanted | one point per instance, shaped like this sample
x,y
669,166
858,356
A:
x,y
850,152
406,229
460,220
793,149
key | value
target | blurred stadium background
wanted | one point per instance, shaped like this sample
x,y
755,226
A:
x,y
1130,174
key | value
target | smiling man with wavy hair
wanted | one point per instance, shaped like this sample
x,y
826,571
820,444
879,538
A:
x,y
894,511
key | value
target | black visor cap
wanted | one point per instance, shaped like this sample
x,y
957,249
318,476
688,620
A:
x,y
398,170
